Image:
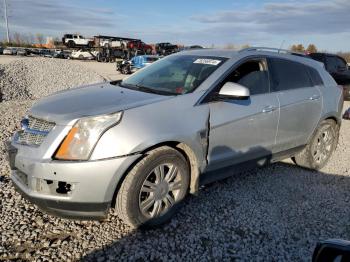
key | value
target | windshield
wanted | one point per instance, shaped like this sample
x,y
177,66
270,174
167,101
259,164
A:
x,y
175,75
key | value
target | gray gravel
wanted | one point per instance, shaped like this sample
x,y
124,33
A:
x,y
277,213
33,78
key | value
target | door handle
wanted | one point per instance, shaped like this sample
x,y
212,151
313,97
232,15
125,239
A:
x,y
314,97
269,109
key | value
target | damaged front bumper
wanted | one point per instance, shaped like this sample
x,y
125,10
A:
x,y
71,189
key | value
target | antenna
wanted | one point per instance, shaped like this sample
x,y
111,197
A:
x,y
281,46
6,22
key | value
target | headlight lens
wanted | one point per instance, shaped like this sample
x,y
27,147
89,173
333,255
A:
x,y
84,135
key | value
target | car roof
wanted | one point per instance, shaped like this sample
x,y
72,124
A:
x,y
271,52
211,52
328,54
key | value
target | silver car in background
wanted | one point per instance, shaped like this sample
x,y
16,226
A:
x,y
10,51
141,144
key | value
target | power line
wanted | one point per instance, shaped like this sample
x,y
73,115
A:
x,y
6,22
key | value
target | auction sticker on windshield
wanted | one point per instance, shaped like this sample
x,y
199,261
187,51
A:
x,y
207,61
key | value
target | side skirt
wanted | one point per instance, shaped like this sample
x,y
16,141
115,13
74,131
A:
x,y
225,172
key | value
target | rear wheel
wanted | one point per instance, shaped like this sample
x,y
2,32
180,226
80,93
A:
x,y
317,153
152,190
71,44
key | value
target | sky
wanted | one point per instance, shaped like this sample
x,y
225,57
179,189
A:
x,y
269,23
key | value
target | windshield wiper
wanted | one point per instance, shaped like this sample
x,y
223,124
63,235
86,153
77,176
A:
x,y
147,89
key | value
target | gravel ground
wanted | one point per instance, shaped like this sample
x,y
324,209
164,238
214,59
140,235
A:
x,y
33,78
277,213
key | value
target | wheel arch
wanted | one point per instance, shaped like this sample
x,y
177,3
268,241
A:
x,y
184,149
330,116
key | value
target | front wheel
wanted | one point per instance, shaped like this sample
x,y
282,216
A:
x,y
151,192
323,143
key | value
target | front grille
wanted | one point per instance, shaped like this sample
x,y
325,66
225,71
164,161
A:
x,y
34,131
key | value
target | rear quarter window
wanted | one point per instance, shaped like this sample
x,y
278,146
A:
x,y
315,76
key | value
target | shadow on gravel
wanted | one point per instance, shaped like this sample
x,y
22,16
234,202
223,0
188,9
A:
x,y
278,213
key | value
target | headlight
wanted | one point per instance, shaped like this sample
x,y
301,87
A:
x,y
84,135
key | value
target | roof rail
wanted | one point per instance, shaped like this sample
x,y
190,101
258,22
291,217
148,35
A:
x,y
269,49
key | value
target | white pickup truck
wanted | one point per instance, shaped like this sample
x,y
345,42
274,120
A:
x,y
73,40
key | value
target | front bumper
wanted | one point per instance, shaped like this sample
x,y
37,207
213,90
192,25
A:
x,y
67,209
69,189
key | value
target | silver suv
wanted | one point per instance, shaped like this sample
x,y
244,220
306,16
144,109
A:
x,y
141,144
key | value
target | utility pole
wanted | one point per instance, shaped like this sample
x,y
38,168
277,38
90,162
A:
x,y
6,22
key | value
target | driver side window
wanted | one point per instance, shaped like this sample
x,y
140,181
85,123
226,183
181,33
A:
x,y
252,74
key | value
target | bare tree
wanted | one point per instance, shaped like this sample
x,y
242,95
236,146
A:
x,y
245,46
230,46
18,39
30,38
345,55
39,38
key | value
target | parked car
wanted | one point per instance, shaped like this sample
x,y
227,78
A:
x,y
136,63
61,54
109,43
23,52
192,47
166,48
46,53
347,114
73,40
1,50
139,45
142,61
84,54
338,69
141,144
10,51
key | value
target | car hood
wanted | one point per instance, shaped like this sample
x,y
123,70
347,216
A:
x,y
97,99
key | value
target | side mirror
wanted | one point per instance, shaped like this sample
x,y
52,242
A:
x,y
234,91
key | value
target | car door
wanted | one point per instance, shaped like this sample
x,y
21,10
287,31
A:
x,y
243,130
300,102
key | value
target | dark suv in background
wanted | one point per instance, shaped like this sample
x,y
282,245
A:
x,y
166,48
338,69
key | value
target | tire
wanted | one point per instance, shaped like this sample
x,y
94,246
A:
x,y
124,70
317,153
81,57
71,44
136,203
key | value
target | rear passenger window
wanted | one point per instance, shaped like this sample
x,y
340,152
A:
x,y
315,77
287,75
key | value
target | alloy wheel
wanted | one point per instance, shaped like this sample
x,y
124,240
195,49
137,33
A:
x,y
160,190
323,145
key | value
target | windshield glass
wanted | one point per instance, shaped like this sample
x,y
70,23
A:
x,y
178,74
